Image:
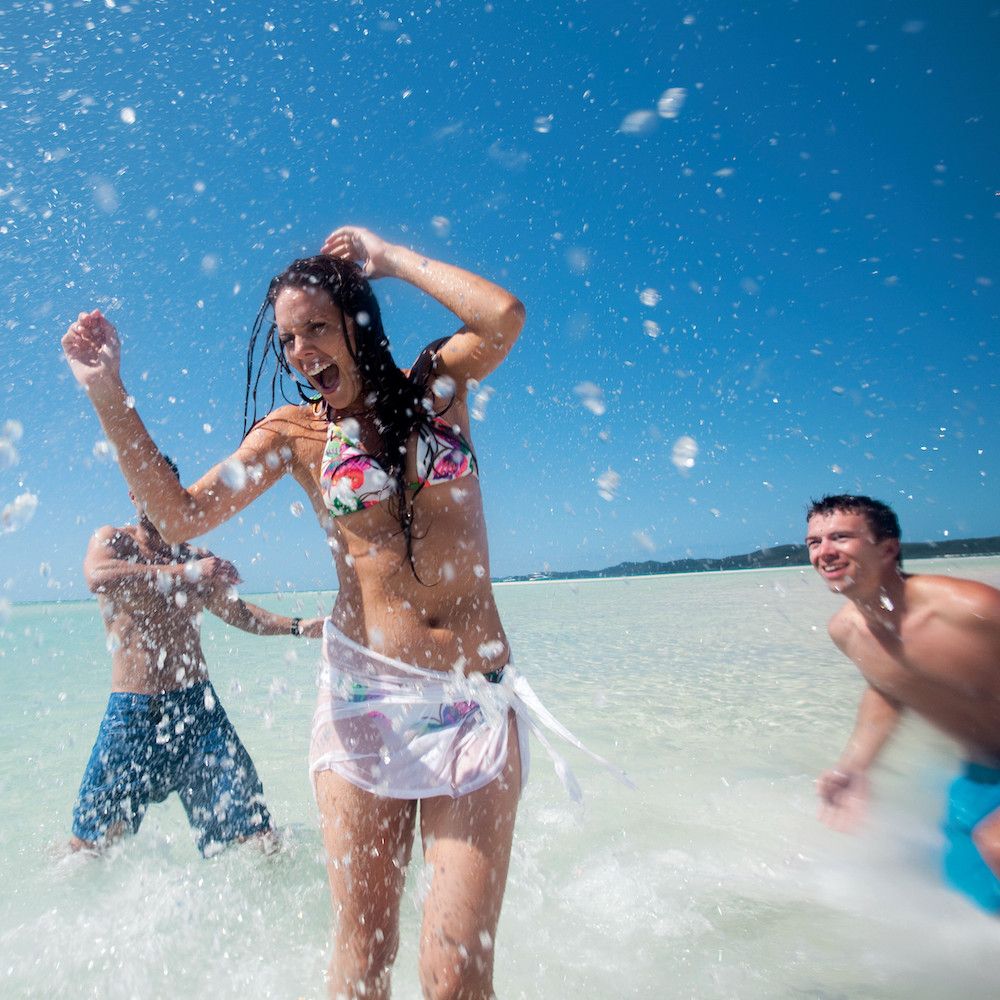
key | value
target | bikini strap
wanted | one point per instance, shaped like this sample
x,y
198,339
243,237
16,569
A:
x,y
423,367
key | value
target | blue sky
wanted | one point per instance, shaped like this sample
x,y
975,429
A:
x,y
784,284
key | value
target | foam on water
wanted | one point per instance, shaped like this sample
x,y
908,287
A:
x,y
719,694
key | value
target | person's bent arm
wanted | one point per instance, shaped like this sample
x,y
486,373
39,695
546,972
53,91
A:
x,y
843,789
93,351
105,567
491,317
226,604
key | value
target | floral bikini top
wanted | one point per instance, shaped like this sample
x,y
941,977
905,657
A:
x,y
352,480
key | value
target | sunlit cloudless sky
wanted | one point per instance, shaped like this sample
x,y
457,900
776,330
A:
x,y
758,247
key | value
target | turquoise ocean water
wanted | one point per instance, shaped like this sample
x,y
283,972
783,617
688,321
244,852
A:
x,y
719,694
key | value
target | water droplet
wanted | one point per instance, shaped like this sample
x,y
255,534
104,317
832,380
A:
x,y
233,473
684,453
8,454
477,408
643,541
592,397
638,123
671,102
18,512
444,387
578,259
491,650
608,484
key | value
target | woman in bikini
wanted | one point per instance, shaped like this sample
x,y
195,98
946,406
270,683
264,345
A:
x,y
418,720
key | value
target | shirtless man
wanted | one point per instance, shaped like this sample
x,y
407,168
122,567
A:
x,y
926,643
164,729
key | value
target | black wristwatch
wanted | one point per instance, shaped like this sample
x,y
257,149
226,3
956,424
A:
x,y
295,630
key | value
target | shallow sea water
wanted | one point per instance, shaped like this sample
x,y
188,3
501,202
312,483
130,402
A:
x,y
720,695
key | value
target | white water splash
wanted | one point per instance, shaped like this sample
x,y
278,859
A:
x,y
684,453
234,473
671,102
18,512
608,484
591,396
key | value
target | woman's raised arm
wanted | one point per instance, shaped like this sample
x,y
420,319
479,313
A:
x,y
491,317
93,351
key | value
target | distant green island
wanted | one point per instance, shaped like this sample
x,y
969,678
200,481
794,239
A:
x,y
780,555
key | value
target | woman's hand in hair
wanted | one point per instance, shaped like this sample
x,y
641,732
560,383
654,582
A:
x,y
357,244
491,317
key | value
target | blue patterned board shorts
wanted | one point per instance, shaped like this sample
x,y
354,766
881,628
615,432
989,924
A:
x,y
151,745
972,796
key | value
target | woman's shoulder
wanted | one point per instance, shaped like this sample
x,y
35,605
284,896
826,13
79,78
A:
x,y
295,433
290,419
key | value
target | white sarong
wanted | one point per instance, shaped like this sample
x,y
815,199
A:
x,y
406,732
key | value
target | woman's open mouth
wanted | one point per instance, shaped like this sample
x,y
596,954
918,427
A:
x,y
326,377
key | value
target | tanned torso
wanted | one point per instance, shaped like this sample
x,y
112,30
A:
x,y
445,619
152,619
936,653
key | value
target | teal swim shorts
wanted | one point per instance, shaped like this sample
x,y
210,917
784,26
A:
x,y
972,796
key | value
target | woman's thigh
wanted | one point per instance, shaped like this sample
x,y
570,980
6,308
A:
x,y
467,844
368,840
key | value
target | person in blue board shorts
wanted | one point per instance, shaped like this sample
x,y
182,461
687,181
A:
x,y
924,643
165,729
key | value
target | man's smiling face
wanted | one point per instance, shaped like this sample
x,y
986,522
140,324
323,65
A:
x,y
844,551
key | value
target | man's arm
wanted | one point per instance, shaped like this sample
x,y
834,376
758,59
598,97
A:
x,y
113,558
225,603
843,789
105,564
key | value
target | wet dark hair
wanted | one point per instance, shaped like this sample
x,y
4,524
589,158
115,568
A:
x,y
399,403
880,516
